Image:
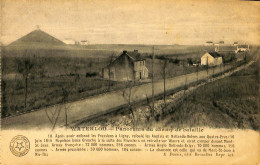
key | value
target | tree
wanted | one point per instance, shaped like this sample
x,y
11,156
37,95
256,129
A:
x,y
152,110
189,61
25,66
111,58
176,61
127,94
54,115
65,95
90,64
76,74
4,104
207,67
185,74
164,67
213,71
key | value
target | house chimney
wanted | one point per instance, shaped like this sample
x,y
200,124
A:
x,y
124,51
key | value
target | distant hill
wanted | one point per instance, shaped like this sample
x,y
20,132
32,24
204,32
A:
x,y
36,38
41,43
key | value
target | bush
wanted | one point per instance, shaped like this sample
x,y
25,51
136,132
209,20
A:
x,y
175,61
91,74
189,61
228,57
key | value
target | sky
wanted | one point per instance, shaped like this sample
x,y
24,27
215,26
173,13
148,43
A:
x,y
187,22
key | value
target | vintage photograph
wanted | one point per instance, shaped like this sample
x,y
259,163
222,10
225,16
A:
x,y
129,64
130,82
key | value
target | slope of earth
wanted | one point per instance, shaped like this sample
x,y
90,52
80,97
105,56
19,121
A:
x,y
36,37
232,102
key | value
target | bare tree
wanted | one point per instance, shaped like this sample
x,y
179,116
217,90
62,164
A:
x,y
164,68
185,74
3,99
213,71
197,69
111,58
207,67
65,95
127,94
54,114
25,66
152,110
76,74
90,64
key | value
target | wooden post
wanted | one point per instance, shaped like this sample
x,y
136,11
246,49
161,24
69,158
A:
x,y
152,113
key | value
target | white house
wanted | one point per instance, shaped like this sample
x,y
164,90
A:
x,y
221,42
226,49
243,48
211,58
83,42
69,41
209,43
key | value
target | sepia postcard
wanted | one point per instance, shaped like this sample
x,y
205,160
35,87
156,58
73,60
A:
x,y
130,82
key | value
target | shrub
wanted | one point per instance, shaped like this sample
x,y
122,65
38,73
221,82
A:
x,y
91,74
175,61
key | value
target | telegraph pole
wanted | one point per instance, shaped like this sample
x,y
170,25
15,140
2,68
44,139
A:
x,y
152,114
197,69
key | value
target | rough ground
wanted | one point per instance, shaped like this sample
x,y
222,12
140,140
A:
x,y
231,102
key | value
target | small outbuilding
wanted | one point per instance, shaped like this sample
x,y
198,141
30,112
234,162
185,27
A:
x,y
209,43
243,48
211,59
226,49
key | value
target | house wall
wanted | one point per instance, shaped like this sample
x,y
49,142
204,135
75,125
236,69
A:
x,y
122,69
140,68
218,61
242,49
207,59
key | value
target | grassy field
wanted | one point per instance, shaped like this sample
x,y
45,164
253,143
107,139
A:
x,y
54,74
232,102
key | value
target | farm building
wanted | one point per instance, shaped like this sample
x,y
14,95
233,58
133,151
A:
x,y
209,43
226,49
84,42
128,66
243,48
69,41
211,58
219,43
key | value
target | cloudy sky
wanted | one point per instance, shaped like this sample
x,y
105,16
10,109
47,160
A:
x,y
134,22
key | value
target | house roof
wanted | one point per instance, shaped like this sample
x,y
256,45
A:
x,y
242,46
227,48
134,55
214,54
